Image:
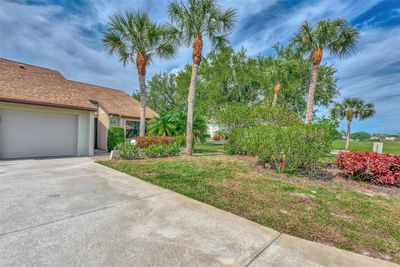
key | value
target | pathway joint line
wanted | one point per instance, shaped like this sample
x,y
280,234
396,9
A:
x,y
262,250
81,214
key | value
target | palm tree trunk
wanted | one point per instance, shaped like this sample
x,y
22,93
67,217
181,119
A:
x,y
278,88
348,134
191,99
196,57
141,62
311,93
143,104
316,61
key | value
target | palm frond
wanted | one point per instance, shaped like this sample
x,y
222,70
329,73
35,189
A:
x,y
353,107
202,17
131,33
334,35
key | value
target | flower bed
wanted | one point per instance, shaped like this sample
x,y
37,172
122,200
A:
x,y
383,169
145,141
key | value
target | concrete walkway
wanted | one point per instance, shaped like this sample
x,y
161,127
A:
x,y
73,212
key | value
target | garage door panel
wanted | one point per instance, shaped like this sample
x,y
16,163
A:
x,y
35,134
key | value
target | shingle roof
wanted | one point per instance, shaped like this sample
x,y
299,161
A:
x,y
23,83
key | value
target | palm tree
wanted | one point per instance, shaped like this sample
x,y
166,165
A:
x,y
352,108
163,125
135,38
335,36
194,21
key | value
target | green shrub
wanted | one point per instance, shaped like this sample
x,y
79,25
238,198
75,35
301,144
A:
x,y
161,150
180,140
288,148
128,151
116,136
237,115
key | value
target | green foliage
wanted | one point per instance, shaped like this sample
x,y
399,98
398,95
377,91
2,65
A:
x,y
131,33
164,94
128,151
335,35
360,136
115,137
161,150
180,140
173,123
201,17
163,125
231,76
288,148
353,108
332,124
245,116
288,66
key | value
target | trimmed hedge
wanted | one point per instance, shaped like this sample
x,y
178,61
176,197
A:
x,y
287,148
382,169
116,136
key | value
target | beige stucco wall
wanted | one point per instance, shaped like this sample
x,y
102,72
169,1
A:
x,y
85,123
103,123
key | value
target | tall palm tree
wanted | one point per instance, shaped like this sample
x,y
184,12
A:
x,y
137,39
352,108
335,36
194,21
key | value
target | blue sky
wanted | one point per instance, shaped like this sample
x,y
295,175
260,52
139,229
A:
x,y
66,35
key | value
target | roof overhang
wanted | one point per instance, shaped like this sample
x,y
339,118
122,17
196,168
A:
x,y
38,103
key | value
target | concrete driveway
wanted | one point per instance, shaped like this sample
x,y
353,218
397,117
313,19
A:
x,y
74,212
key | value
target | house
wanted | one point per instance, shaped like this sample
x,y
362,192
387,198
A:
x,y
212,129
43,114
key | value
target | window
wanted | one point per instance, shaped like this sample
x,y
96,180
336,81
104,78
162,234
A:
x,y
114,121
132,129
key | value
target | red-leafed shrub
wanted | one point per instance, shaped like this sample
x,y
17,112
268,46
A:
x,y
383,169
145,141
217,137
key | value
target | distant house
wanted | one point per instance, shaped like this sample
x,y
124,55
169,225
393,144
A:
x,y
375,138
213,128
390,138
44,114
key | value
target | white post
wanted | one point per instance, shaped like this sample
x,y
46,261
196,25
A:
x,y
378,148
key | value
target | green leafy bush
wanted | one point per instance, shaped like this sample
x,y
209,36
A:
x,y
161,150
287,148
360,136
180,140
239,115
128,151
116,136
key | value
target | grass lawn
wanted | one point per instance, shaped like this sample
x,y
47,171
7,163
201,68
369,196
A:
x,y
349,215
388,147
208,148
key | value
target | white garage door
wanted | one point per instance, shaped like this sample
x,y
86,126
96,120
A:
x,y
34,134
